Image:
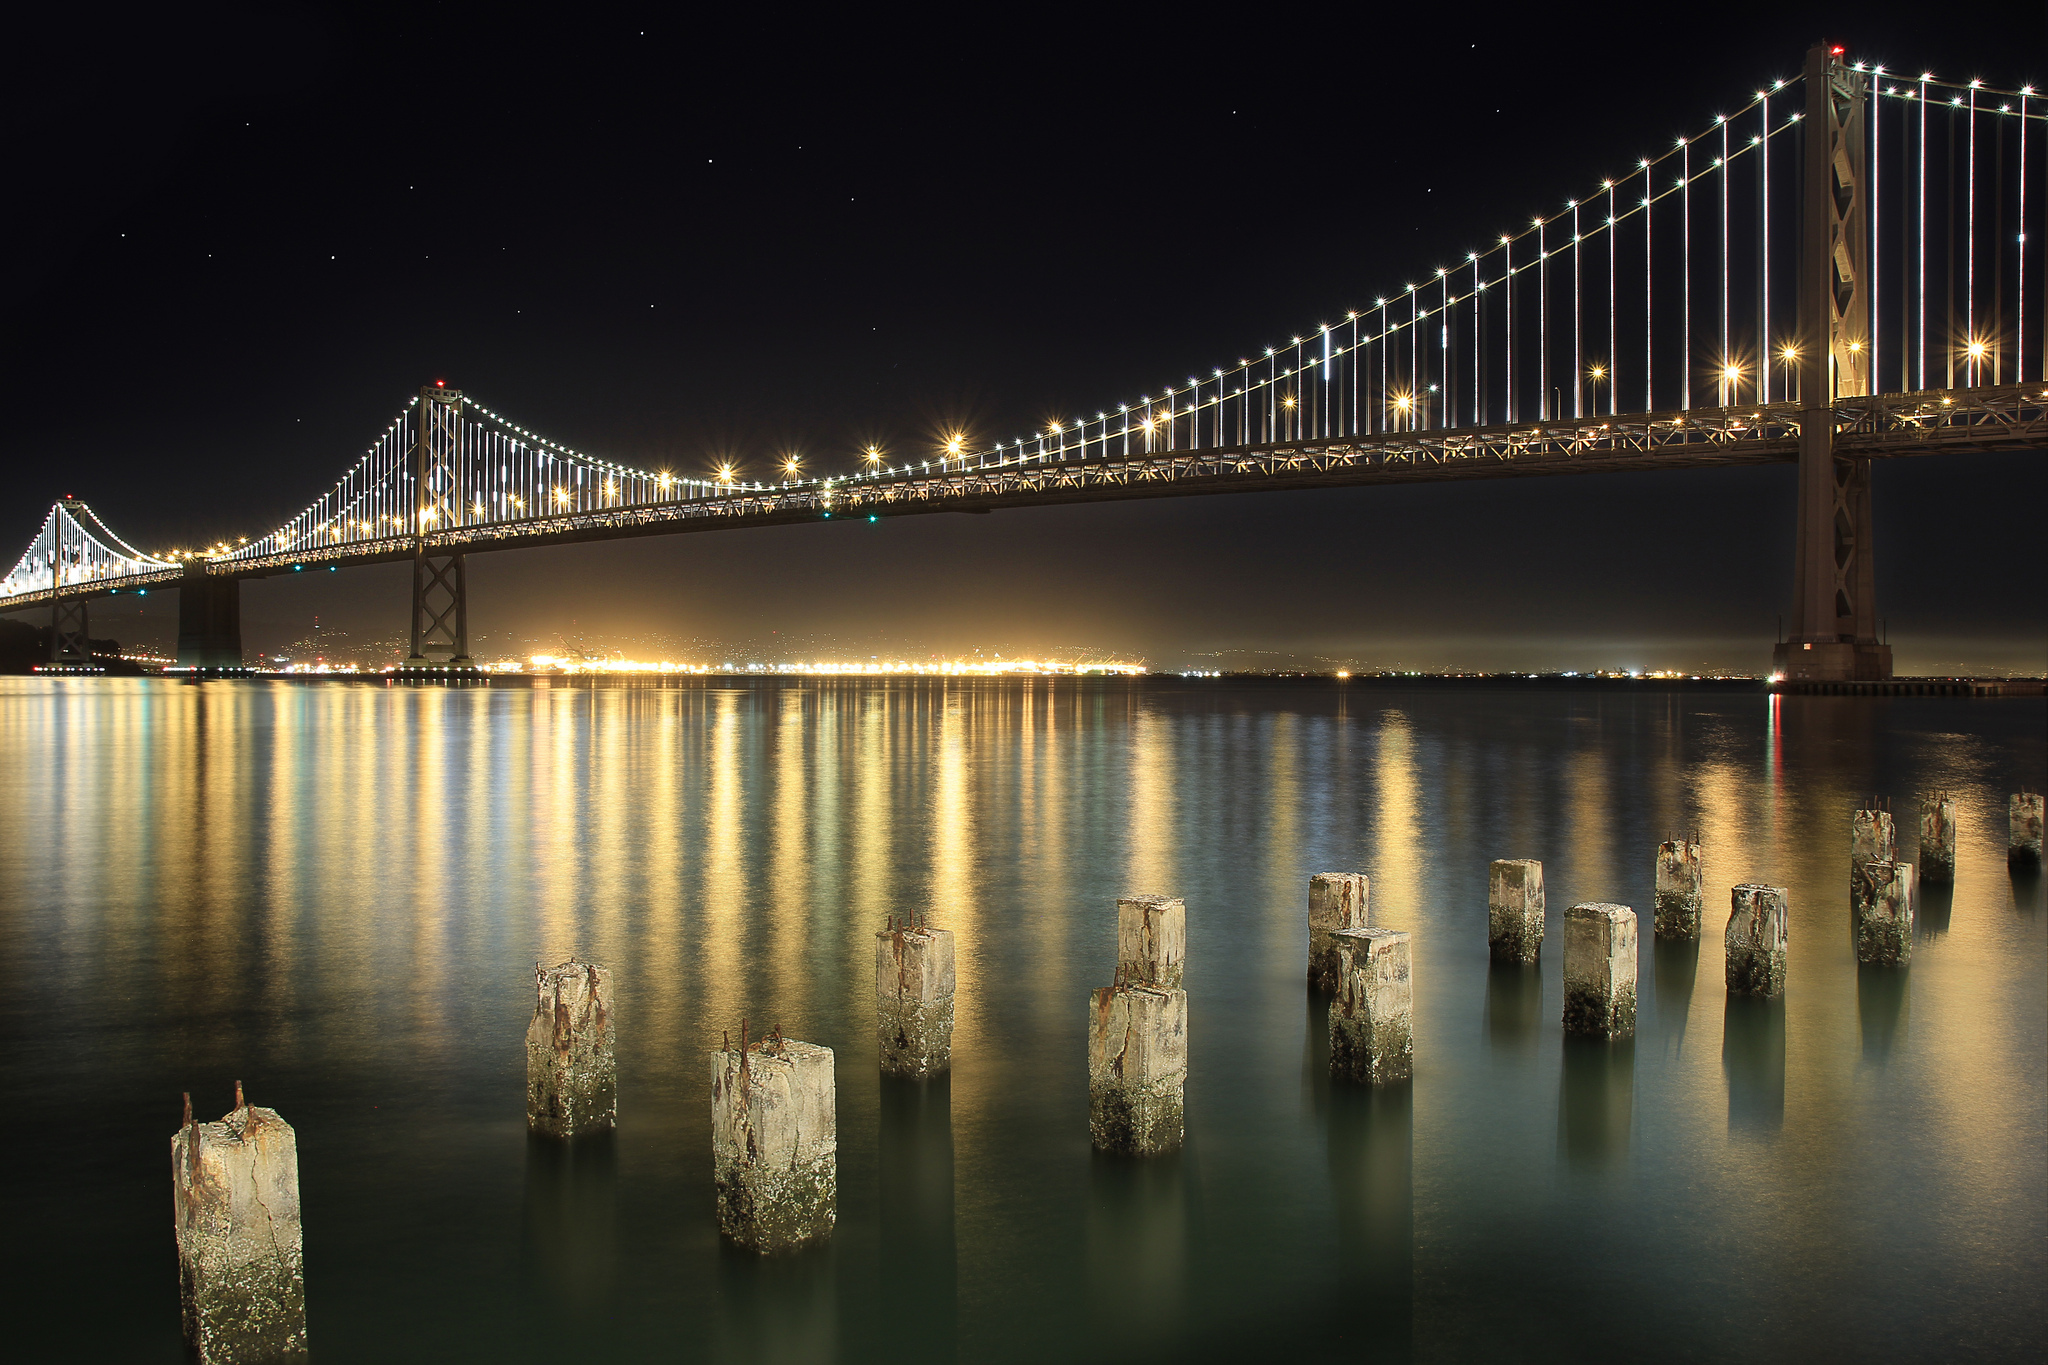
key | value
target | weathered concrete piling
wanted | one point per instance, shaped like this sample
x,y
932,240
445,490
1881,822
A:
x,y
1137,1068
774,1142
572,1074
2023,847
1680,898
1151,939
1756,940
1336,901
241,1258
1600,970
1372,1020
1871,840
1938,839
914,999
1514,909
1884,914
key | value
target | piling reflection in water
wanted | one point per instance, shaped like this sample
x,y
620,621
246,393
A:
x,y
1674,969
1372,1186
1596,1092
1933,903
777,1310
1881,992
1753,1056
1514,1008
920,1267
1137,1249
569,1234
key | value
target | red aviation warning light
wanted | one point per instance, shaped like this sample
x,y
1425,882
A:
x,y
442,383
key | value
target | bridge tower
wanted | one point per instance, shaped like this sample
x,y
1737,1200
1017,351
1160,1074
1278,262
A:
x,y
70,632
1834,635
440,597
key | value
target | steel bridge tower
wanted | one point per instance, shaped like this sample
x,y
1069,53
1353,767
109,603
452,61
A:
x,y
1834,635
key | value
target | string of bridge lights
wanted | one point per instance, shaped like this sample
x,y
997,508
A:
x,y
1148,415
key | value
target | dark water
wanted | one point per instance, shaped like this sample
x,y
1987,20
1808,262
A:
x,y
336,893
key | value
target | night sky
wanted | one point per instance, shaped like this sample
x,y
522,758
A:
x,y
236,246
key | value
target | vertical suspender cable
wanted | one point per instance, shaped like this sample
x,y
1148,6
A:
x,y
1685,252
1613,326
1507,246
1920,244
1949,274
1763,330
1649,368
1478,351
2019,365
1443,344
1414,359
1383,365
1578,318
1542,325
1354,374
1722,367
1874,212
1969,337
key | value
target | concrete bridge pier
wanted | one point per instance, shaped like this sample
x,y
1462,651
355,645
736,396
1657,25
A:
x,y
209,620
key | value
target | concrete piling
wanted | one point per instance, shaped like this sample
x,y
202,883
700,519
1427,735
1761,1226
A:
x,y
1336,900
1600,970
1152,939
914,999
1680,897
2023,845
1938,839
1884,914
774,1142
1137,1067
1756,940
572,1074
1871,840
241,1256
1514,909
1372,1019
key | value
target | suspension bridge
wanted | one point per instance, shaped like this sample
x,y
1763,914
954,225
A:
x,y
1838,271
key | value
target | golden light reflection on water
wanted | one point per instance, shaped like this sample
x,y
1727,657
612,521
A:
x,y
340,885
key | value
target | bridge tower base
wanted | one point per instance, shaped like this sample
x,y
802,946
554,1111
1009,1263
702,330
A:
x,y
209,621
440,613
70,633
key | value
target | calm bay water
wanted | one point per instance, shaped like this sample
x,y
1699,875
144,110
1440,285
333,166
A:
x,y
336,893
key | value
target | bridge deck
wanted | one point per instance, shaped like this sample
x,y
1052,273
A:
x,y
2007,417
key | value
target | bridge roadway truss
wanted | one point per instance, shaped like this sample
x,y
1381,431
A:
x,y
2010,417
